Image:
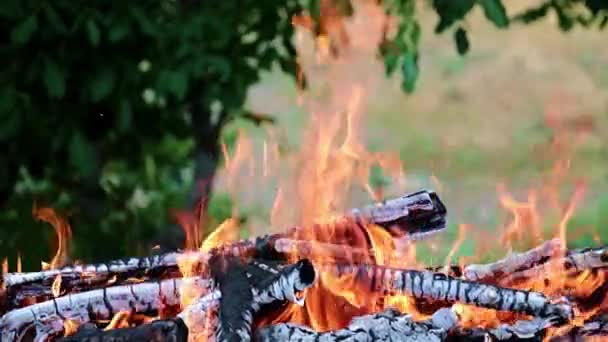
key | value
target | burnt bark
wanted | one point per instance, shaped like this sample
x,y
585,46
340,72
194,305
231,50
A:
x,y
170,330
247,288
47,318
443,288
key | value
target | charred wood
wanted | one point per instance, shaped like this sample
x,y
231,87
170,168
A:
x,y
440,287
171,330
47,319
252,286
515,262
573,262
409,215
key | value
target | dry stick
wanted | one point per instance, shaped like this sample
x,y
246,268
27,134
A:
x,y
413,214
48,318
440,287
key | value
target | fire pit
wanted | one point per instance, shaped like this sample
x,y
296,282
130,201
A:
x,y
307,284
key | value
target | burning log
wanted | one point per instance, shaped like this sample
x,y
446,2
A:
x,y
546,258
170,330
441,287
47,319
514,263
412,214
253,286
574,261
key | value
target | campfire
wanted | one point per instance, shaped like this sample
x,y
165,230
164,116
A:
x,y
328,274
270,289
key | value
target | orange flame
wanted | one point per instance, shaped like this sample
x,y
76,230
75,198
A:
x,y
69,327
119,320
64,235
317,181
56,286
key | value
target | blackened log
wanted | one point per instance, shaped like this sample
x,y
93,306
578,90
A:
x,y
170,330
440,287
412,214
252,286
47,318
593,329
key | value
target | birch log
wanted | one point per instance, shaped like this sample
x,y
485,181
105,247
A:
x,y
412,214
441,287
254,286
48,318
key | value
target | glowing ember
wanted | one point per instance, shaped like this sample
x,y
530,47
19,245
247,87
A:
x,y
120,320
56,286
69,327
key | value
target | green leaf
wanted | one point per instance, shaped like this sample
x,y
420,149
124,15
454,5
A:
x,y
145,24
533,14
54,19
409,69
451,11
22,33
54,79
118,32
565,22
461,40
604,22
390,63
82,155
102,84
314,7
93,32
10,118
125,116
177,83
495,12
595,6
